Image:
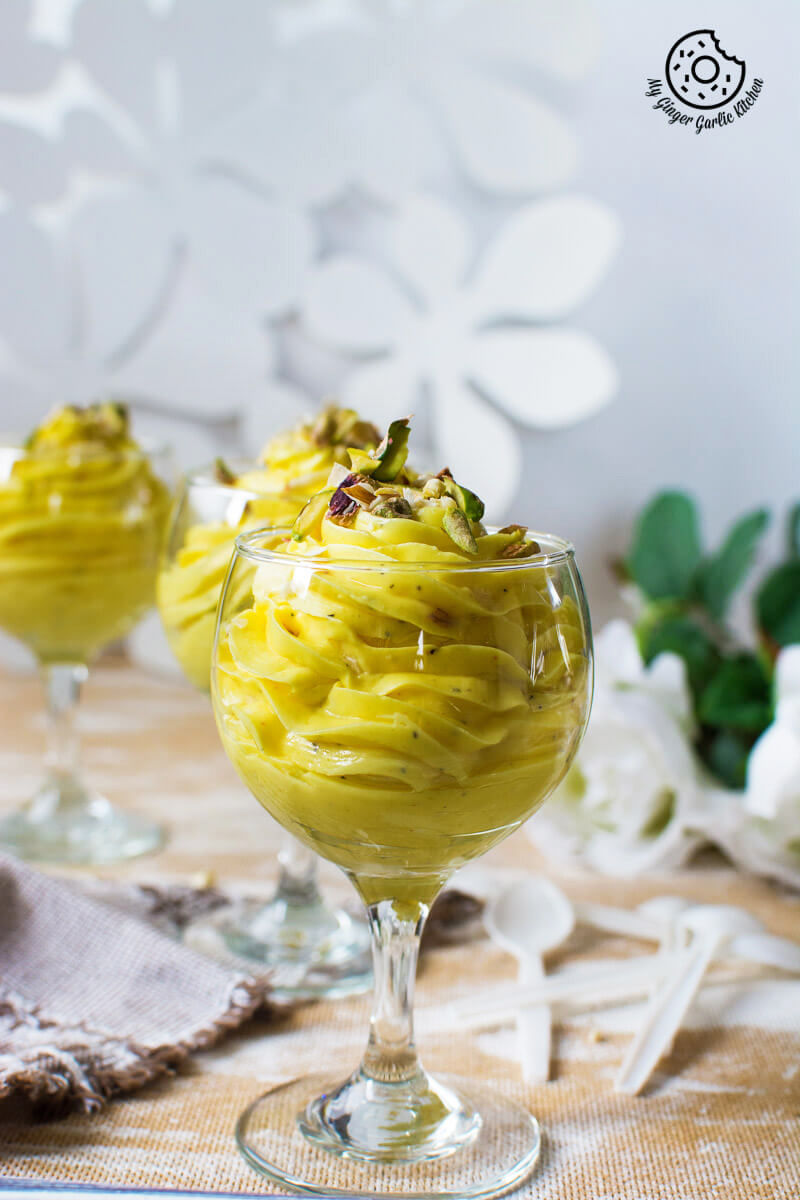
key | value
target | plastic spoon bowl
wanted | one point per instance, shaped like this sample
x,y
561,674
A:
x,y
527,919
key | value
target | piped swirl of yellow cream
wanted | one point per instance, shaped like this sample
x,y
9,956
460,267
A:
x,y
82,518
294,465
189,584
402,718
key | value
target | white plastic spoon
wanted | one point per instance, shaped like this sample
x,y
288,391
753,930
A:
x,y
584,986
665,912
529,918
767,950
711,926
648,922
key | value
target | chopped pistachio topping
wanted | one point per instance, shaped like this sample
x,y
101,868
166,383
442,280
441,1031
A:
x,y
222,472
466,500
106,424
310,515
391,506
342,427
521,549
379,485
393,451
457,527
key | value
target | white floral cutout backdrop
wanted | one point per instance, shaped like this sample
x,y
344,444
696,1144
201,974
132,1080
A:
x,y
223,210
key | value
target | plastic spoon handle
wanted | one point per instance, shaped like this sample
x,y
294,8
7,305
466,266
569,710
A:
x,y
663,1016
534,1024
631,977
618,920
768,950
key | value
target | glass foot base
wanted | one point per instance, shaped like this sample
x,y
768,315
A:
x,y
315,950
364,1139
94,835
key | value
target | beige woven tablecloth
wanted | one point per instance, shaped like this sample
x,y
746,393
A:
x,y
721,1119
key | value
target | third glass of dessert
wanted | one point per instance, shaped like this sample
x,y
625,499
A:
x,y
82,517
401,688
322,949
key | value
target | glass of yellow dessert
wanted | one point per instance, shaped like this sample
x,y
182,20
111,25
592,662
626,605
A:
x,y
323,950
82,518
401,688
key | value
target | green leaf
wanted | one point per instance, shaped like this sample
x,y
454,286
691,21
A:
x,y
726,755
666,547
719,575
793,531
778,604
738,697
679,635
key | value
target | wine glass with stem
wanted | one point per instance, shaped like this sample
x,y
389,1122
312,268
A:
x,y
80,538
321,949
400,716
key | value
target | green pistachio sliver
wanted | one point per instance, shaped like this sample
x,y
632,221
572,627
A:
x,y
466,500
457,528
121,410
222,472
392,506
310,515
521,549
472,505
392,452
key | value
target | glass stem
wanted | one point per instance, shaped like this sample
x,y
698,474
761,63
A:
x,y
391,1055
297,882
62,682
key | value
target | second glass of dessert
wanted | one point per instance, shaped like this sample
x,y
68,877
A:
x,y
82,518
321,949
401,688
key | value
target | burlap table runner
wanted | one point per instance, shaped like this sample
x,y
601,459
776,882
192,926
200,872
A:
x,y
93,1002
721,1118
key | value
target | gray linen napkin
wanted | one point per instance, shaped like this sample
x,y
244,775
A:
x,y
94,1002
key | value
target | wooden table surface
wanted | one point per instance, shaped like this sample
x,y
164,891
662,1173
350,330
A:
x,y
721,1118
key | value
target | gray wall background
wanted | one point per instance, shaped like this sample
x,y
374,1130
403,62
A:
x,y
701,308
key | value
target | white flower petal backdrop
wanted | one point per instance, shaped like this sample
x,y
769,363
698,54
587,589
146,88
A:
x,y
210,181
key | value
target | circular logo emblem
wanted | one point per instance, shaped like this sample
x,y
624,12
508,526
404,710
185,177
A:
x,y
700,73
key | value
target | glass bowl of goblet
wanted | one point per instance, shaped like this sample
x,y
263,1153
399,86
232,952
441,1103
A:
x,y
400,715
80,539
320,949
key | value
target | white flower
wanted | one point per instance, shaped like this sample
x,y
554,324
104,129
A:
x,y
463,330
629,801
762,828
29,64
378,93
171,79
56,346
157,285
773,769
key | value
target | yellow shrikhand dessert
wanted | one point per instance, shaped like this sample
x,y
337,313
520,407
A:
x,y
295,465
82,518
399,687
